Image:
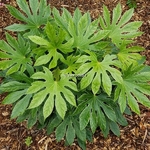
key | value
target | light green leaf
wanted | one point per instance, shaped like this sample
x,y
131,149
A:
x,y
84,117
133,89
60,105
132,26
48,106
96,83
35,87
122,100
3,55
5,47
133,103
106,83
125,31
32,15
69,96
116,14
18,56
82,24
37,99
42,60
94,69
14,69
99,36
135,49
87,79
126,17
77,15
142,98
38,40
45,85
106,15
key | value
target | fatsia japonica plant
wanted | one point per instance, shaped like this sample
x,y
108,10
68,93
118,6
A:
x,y
71,74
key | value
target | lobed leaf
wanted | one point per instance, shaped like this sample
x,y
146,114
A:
x,y
13,97
20,106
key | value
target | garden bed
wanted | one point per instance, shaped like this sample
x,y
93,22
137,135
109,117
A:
x,y
135,136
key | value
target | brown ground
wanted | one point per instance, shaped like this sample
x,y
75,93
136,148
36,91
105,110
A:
x,y
136,136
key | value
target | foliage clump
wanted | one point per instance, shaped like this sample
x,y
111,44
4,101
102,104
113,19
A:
x,y
71,74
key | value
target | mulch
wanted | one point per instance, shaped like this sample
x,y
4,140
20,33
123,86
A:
x,y
136,136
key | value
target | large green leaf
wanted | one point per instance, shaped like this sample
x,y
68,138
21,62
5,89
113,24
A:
x,y
93,110
119,25
96,72
54,44
133,89
16,54
80,28
33,16
129,55
69,129
50,90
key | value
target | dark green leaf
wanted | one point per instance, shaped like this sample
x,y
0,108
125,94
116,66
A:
x,y
17,27
13,86
52,124
13,97
70,133
61,130
20,106
114,128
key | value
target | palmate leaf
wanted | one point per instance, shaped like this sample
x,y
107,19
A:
x,y
80,28
128,55
69,129
54,44
133,89
94,111
15,54
51,93
35,16
96,72
71,67
119,27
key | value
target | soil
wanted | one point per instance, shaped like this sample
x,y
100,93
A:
x,y
136,136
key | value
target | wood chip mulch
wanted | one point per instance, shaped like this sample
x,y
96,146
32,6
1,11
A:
x,y
136,136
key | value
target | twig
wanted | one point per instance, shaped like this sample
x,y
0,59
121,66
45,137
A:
x,y
144,136
42,139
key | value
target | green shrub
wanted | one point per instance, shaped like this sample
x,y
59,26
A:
x,y
70,74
